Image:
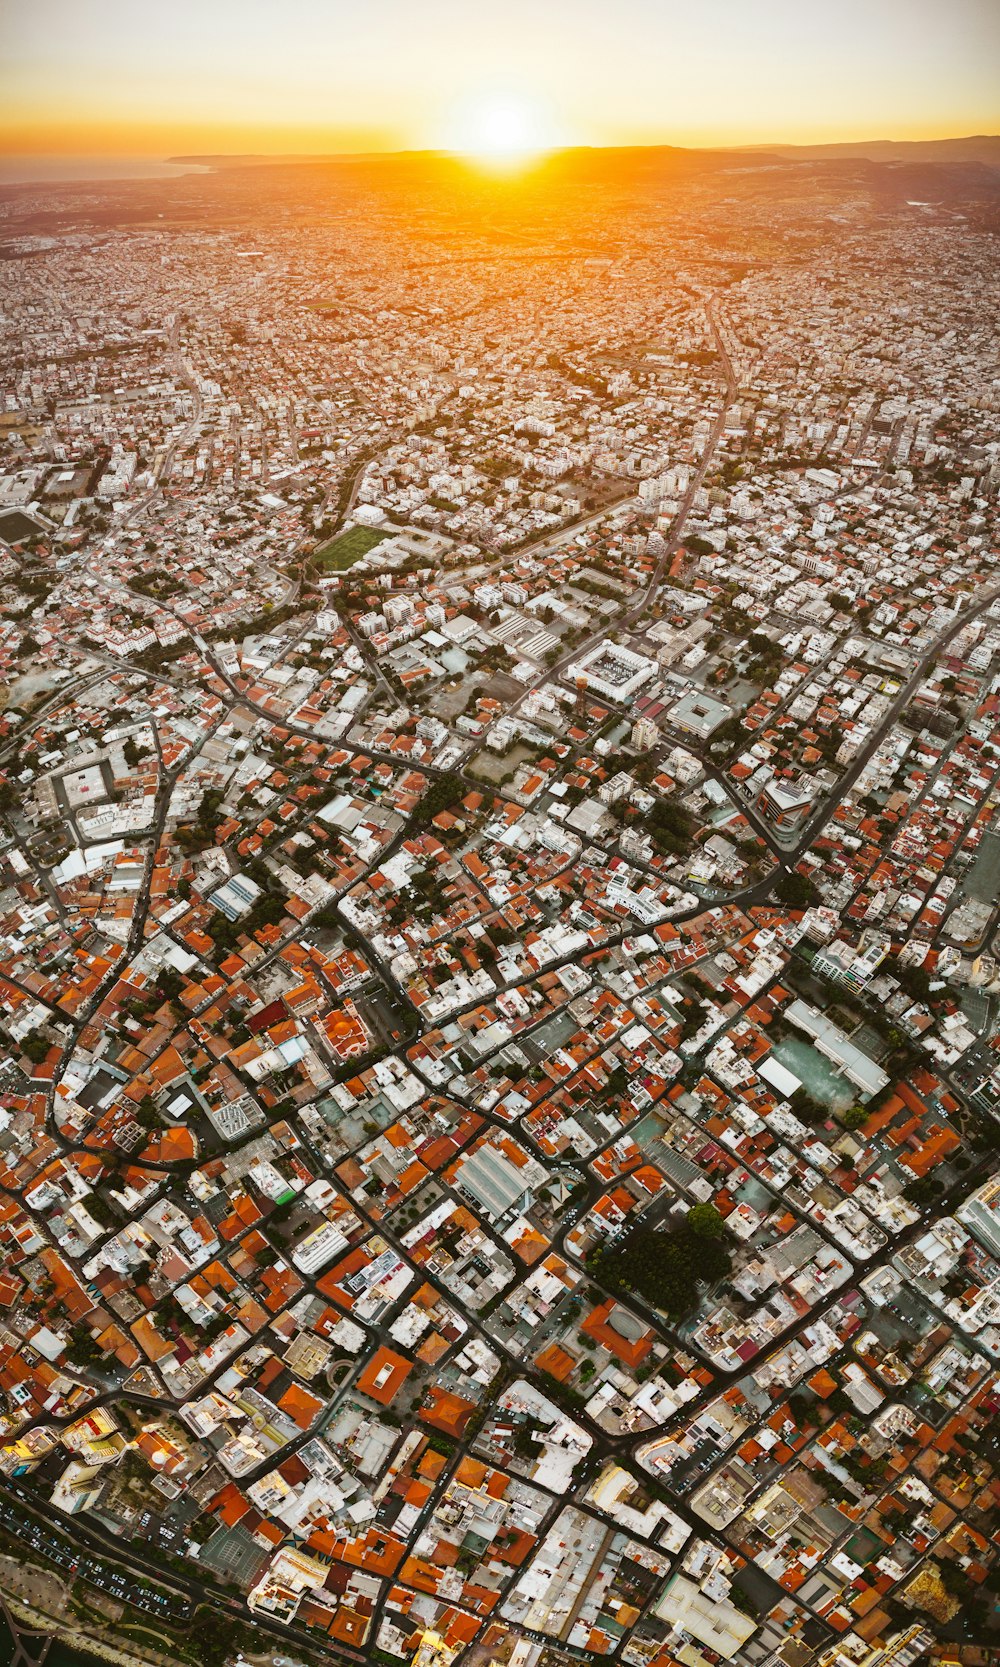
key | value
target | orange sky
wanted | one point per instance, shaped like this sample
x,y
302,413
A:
x,y
124,77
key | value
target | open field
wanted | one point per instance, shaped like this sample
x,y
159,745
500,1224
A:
x,y
348,547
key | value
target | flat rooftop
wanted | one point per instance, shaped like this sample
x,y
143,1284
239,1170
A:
x,y
866,1076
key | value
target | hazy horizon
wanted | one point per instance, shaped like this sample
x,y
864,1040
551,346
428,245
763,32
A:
x,y
62,169
84,82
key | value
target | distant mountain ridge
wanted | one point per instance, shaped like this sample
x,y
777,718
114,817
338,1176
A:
x,y
983,148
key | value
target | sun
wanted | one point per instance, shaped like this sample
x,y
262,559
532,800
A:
x,y
502,129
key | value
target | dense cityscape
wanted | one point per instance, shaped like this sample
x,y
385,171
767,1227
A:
x,y
499,873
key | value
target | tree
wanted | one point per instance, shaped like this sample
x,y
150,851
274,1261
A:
x,y
916,981
220,1637
81,1348
796,891
100,1210
671,827
743,1601
806,1108
985,1137
706,1221
665,1268
441,796
854,1117
923,1190
802,1410
35,1046
954,1580
147,1114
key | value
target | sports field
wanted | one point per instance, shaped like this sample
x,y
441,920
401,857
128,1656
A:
x,y
348,547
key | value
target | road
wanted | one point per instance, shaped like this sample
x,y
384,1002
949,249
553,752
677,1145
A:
x,y
623,1446
629,615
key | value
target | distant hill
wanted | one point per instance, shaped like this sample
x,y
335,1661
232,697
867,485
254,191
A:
x,y
981,147
279,159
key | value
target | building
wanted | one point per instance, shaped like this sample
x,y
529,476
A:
x,y
852,965
981,1214
237,897
644,735
318,1247
714,1622
699,714
491,1181
612,671
384,1376
784,805
868,1078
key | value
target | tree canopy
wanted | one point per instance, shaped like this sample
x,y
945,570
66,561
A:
x,y
706,1221
666,1267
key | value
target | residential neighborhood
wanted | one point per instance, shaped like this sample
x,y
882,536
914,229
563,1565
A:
x,y
499,906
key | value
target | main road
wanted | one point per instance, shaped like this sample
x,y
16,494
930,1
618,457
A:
x,y
828,809
628,616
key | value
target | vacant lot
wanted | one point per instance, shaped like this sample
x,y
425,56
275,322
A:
x,y
348,547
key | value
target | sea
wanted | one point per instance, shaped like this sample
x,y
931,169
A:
x,y
63,170
60,1655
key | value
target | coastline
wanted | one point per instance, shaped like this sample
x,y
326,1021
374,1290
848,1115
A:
x,y
87,1649
54,171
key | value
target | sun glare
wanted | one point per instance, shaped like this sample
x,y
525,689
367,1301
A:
x,y
503,130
